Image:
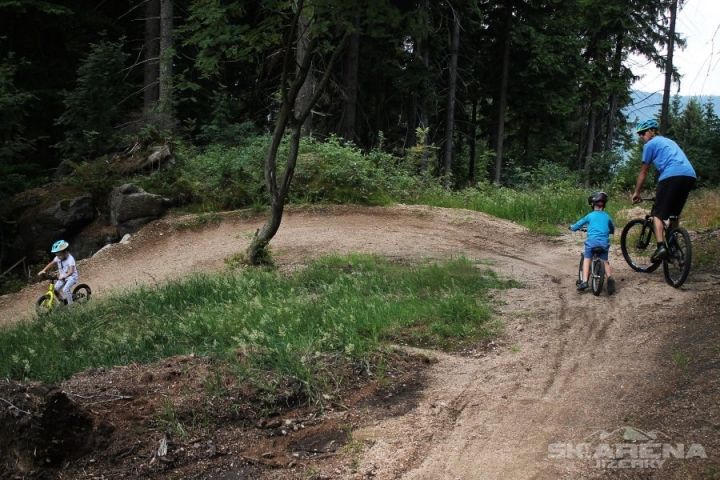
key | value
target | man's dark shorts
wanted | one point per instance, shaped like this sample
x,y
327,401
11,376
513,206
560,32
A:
x,y
671,194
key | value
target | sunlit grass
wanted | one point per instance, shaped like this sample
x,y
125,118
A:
x,y
540,210
338,306
702,211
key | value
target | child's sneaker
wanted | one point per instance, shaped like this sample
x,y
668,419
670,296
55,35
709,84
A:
x,y
611,286
582,286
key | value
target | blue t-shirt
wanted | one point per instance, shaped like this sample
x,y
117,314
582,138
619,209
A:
x,y
668,158
600,226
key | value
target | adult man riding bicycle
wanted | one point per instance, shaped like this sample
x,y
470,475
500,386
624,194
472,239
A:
x,y
676,178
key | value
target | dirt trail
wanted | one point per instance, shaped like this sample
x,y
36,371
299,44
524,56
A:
x,y
568,365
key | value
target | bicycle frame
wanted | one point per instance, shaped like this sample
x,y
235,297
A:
x,y
671,223
676,264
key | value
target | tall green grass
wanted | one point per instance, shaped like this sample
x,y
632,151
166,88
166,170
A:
x,y
540,210
339,306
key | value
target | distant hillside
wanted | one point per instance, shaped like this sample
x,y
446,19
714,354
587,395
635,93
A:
x,y
647,105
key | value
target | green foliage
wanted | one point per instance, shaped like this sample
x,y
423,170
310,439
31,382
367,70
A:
x,y
15,174
339,306
221,177
94,107
49,8
334,172
222,128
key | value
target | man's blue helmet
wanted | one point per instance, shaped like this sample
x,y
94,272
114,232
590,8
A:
x,y
646,125
59,246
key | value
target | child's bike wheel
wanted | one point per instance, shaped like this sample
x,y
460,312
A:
x,y
44,305
81,293
676,266
637,243
597,276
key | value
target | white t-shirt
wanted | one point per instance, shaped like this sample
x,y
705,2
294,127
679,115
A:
x,y
64,265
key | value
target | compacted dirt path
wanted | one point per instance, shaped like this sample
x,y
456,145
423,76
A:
x,y
568,366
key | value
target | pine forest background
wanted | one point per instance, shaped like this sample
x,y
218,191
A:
x,y
422,95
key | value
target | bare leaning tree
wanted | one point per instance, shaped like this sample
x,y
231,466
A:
x,y
291,116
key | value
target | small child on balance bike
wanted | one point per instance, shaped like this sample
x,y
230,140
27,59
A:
x,y
599,228
67,270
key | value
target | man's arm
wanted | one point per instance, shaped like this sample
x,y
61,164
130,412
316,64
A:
x,y
640,181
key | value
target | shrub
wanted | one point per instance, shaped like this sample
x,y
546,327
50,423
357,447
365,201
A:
x,y
335,172
221,177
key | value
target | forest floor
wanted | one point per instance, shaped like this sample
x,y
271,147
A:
x,y
635,374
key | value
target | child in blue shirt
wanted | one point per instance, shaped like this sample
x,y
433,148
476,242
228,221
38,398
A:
x,y
599,228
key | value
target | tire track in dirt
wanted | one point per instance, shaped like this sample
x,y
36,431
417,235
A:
x,y
561,370
556,379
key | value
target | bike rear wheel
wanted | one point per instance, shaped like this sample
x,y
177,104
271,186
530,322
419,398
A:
x,y
44,304
597,276
81,293
676,266
637,243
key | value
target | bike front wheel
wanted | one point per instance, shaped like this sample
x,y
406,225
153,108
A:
x,y
44,304
637,243
676,266
597,276
81,293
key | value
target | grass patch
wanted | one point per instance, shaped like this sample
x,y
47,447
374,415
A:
x,y
295,325
681,359
200,221
541,211
702,211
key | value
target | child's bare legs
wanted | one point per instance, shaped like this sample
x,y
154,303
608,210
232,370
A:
x,y
608,270
586,269
608,274
610,279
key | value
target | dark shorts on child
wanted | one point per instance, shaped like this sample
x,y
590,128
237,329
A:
x,y
671,195
587,253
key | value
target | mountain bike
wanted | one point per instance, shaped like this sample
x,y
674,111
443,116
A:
x,y
637,243
50,301
597,269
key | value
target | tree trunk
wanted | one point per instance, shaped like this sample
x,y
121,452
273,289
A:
x,y
590,144
308,87
668,69
499,143
616,76
472,142
452,81
165,102
151,68
352,60
289,115
410,122
424,104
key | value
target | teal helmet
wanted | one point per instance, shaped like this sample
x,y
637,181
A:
x,y
59,246
646,125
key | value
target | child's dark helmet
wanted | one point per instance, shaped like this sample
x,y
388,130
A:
x,y
597,197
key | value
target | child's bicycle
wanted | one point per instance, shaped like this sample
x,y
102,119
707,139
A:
x,y
50,301
637,242
597,270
